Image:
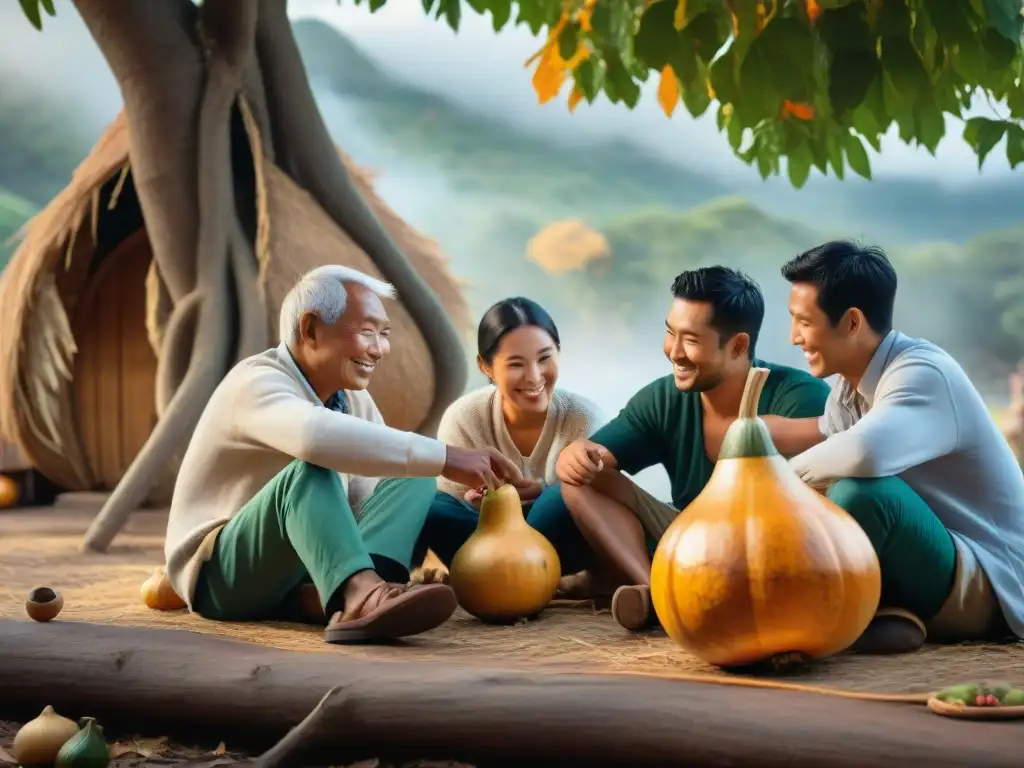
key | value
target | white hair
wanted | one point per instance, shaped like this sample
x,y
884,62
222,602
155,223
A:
x,y
322,292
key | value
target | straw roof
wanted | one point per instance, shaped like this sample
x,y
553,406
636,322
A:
x,y
39,287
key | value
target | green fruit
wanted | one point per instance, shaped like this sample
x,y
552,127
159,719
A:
x,y
86,749
958,694
1014,698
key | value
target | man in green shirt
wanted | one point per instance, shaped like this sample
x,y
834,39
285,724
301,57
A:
x,y
677,421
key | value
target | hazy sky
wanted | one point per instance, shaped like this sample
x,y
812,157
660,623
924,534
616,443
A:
x,y
480,68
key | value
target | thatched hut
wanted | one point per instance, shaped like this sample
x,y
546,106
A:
x,y
81,315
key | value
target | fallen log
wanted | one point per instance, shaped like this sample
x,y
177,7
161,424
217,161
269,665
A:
x,y
172,681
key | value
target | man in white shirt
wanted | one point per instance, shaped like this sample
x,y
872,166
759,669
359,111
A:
x,y
907,446
280,484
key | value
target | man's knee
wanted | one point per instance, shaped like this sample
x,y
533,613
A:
x,y
578,499
865,499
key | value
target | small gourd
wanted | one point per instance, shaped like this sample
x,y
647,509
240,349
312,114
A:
x,y
38,741
86,749
158,594
10,492
43,604
506,570
760,565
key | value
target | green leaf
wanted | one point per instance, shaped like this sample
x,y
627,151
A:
x,y
856,156
1015,145
589,77
931,125
536,14
618,83
614,25
1005,17
428,5
724,77
568,40
893,19
452,11
835,157
952,21
501,11
734,132
798,165
657,40
1015,101
376,5
846,28
983,134
695,94
765,166
904,67
31,10
778,66
850,77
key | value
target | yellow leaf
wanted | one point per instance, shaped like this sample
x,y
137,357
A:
x,y
711,90
680,16
813,10
549,76
142,747
575,98
583,17
581,55
552,40
668,90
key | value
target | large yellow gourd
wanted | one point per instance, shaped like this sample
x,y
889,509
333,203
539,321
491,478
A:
x,y
506,570
759,564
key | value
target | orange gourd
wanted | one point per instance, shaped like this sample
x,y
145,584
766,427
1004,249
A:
x,y
158,594
506,570
760,565
9,492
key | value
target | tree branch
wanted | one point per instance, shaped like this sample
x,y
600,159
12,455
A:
x,y
228,34
289,751
306,152
152,53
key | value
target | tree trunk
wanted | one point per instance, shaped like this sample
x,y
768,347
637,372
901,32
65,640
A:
x,y
182,71
173,681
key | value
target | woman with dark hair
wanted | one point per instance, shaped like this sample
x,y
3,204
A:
x,y
520,412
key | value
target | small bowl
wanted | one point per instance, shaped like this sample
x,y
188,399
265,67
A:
x,y
43,604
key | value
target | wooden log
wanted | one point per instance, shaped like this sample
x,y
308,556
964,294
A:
x,y
167,681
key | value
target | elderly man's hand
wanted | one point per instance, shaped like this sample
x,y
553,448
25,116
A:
x,y
476,468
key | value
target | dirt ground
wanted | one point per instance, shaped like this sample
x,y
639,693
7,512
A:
x,y
140,751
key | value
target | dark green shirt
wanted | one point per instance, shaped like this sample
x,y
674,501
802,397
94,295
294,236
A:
x,y
663,425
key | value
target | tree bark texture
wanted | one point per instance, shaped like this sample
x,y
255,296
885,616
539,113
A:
x,y
173,682
184,73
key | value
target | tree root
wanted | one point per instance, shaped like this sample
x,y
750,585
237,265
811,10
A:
x,y
228,29
253,334
289,751
176,349
306,152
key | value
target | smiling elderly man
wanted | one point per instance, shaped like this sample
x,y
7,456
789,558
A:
x,y
279,485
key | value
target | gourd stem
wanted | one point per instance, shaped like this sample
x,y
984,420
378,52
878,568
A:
x,y
752,392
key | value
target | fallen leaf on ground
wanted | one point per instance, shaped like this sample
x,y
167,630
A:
x,y
6,757
141,747
221,749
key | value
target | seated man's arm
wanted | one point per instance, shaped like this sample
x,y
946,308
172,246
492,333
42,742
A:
x,y
912,421
630,442
796,422
452,430
268,412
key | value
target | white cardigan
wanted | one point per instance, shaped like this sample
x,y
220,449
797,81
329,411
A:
x,y
476,421
263,415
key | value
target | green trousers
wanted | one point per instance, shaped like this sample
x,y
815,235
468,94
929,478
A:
x,y
915,551
300,528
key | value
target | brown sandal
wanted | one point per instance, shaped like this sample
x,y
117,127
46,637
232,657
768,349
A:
x,y
400,611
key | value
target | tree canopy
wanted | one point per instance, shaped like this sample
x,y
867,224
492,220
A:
x,y
805,80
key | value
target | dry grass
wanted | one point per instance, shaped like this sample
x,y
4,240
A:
x,y
42,548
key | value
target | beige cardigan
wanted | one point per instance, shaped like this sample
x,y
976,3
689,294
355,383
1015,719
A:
x,y
476,421
263,415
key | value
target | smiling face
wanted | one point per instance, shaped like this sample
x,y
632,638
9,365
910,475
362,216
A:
x,y
826,347
525,368
699,359
345,354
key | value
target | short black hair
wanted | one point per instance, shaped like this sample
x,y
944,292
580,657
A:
x,y
504,317
849,275
737,305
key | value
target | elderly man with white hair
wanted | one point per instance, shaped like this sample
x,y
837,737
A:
x,y
279,486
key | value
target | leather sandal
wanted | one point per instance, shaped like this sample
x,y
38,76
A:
x,y
391,611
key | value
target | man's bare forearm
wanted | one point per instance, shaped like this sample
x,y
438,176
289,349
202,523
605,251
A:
x,y
793,436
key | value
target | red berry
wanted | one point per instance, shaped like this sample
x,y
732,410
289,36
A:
x,y
980,700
